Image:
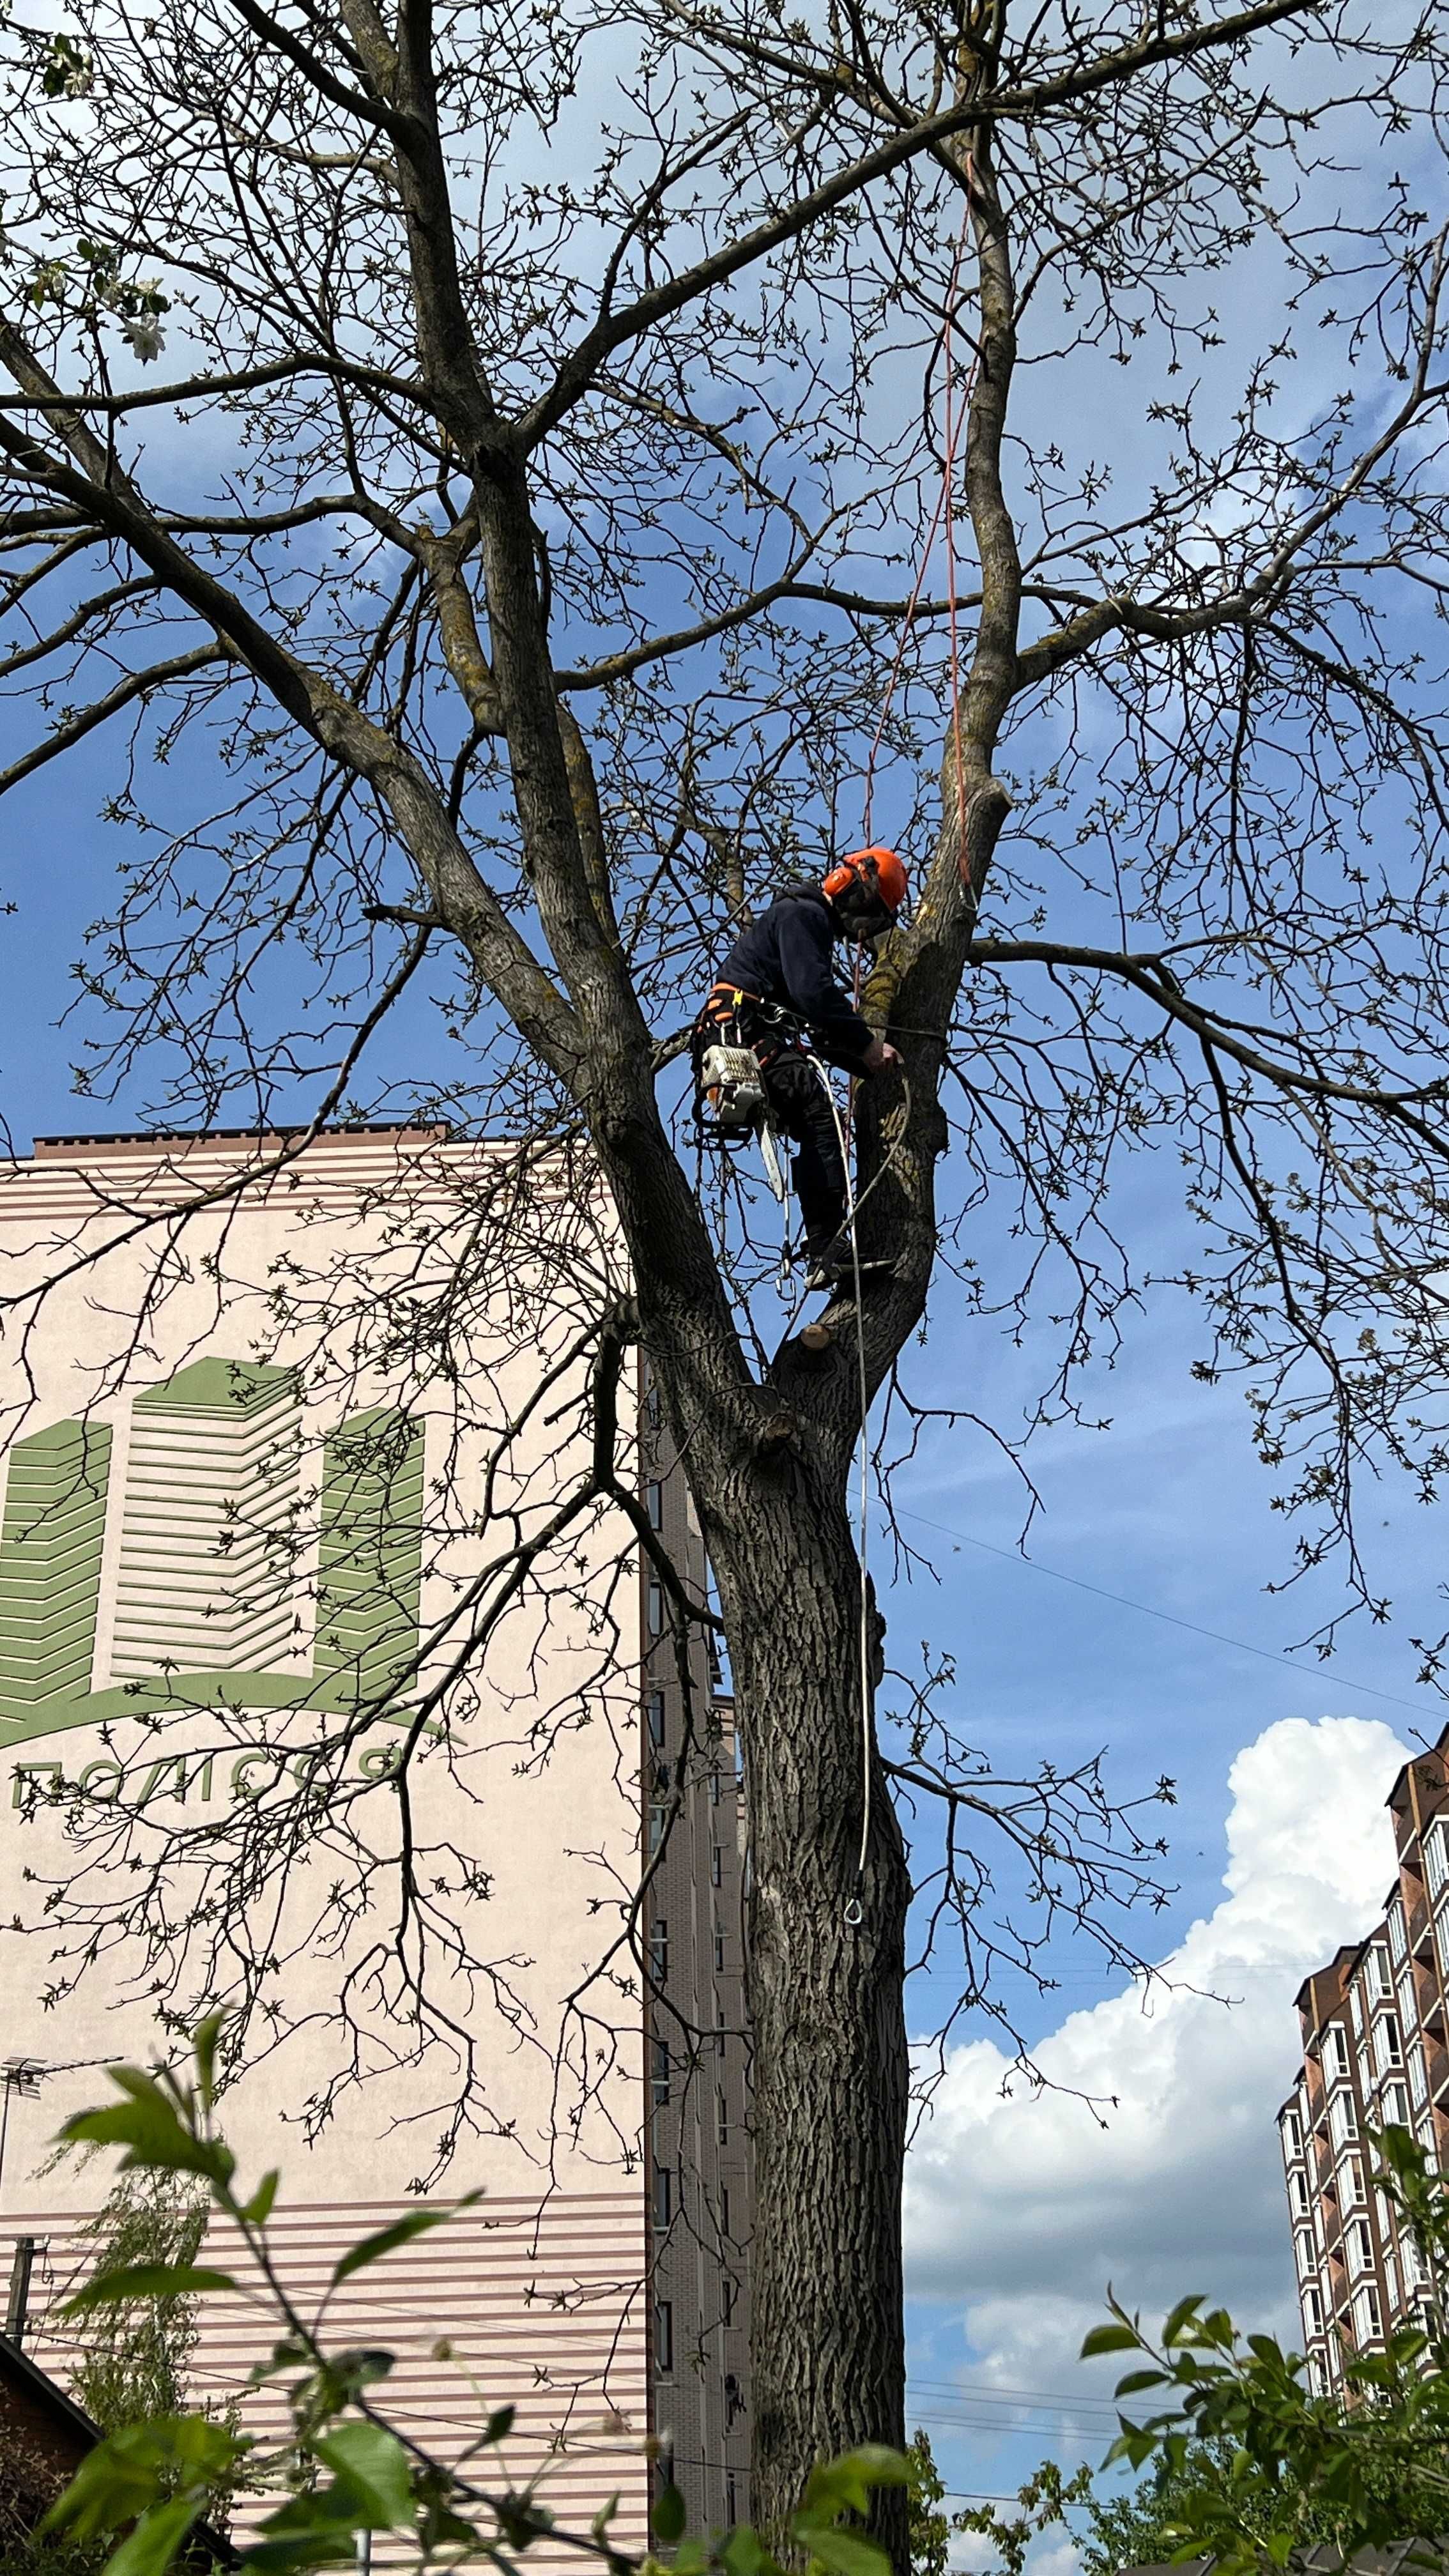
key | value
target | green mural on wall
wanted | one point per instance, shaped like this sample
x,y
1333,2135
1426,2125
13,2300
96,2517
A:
x,y
50,1562
206,1589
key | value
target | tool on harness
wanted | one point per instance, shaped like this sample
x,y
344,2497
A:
x,y
730,1101
732,1088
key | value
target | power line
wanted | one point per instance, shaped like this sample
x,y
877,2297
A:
x,y
1149,1610
975,2388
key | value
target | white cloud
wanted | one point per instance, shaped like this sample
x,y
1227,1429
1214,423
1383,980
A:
x,y
1023,2209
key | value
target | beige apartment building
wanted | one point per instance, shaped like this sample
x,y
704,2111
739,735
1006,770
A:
x,y
289,1487
1375,2053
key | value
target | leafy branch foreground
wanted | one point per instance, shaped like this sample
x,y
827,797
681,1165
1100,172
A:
x,y
1243,2460
343,2470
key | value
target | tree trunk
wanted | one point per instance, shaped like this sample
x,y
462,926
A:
x,y
825,1991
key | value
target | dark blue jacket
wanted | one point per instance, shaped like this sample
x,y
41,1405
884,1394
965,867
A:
x,y
784,957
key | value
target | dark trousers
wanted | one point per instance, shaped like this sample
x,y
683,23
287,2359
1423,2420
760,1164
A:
x,y
797,1096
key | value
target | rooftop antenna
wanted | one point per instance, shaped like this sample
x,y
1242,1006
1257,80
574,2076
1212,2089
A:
x,y
18,2075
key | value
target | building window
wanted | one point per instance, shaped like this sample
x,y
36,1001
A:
x,y
1366,2324
1382,1982
657,1819
655,1497
716,1867
663,2335
1293,2133
1436,1859
1335,2053
729,2288
721,2121
1351,2183
663,2195
656,1720
1313,2301
1396,2106
659,1949
656,1610
1342,2119
1398,1937
1360,2246
714,1788
1408,2008
1303,2253
1387,2049
659,2072
1300,2194
732,2513
1418,2075
724,2211
1355,2007
718,1951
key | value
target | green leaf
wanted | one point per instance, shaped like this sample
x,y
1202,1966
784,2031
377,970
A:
x,y
847,2553
207,2034
377,2465
371,2249
605,2515
742,2554
259,2208
146,2281
1183,2315
141,2466
1139,2379
499,2425
307,2539
151,2128
668,2518
1109,2339
1132,2445
844,2485
156,2538
691,2558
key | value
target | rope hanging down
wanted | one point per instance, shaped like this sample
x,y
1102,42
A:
x,y
956,416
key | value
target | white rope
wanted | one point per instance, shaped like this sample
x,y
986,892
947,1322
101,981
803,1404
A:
x,y
852,1207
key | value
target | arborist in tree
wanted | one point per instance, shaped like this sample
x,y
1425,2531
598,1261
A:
x,y
777,1001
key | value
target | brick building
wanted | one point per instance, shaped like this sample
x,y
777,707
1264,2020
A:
x,y
234,1514
1374,2054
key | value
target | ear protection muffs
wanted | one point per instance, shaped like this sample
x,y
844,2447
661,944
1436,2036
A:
x,y
872,873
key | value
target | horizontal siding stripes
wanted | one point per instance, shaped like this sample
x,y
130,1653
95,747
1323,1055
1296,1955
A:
x,y
542,2304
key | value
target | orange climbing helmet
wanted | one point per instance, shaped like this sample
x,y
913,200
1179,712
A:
x,y
866,891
